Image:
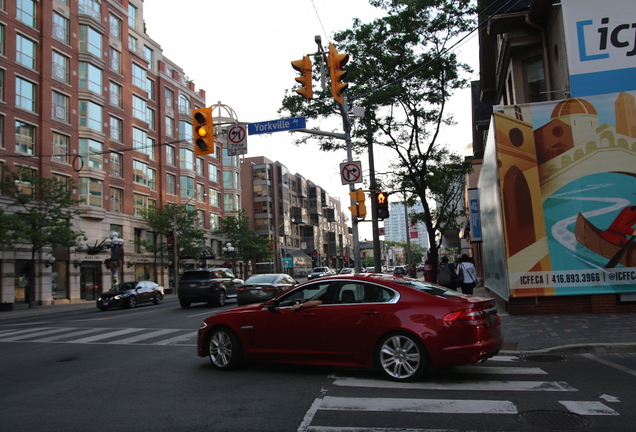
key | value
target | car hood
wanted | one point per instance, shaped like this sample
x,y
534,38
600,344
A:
x,y
109,294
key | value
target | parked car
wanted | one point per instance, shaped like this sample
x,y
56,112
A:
x,y
262,287
400,270
130,294
400,325
318,272
212,286
346,271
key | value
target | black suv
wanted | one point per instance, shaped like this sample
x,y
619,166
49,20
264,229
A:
x,y
211,286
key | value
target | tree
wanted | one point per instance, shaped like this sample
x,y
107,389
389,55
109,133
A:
x,y
248,244
178,221
403,72
41,212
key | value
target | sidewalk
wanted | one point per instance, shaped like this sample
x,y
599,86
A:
x,y
526,334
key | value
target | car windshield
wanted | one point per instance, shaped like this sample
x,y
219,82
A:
x,y
261,279
319,270
429,287
124,286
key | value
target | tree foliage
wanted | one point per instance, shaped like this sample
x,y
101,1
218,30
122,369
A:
x,y
248,244
403,71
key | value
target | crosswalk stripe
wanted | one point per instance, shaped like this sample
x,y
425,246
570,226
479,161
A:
x,y
442,406
588,408
458,385
40,332
501,370
144,336
107,335
67,335
177,339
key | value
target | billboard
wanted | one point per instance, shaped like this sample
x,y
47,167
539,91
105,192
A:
x,y
566,181
601,41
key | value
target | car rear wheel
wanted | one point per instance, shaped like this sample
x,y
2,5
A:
x,y
184,303
221,300
132,302
158,299
401,357
225,349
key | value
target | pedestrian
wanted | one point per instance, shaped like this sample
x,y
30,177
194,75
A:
x,y
466,274
446,276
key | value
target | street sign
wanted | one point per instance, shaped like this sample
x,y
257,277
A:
x,y
236,140
351,172
276,125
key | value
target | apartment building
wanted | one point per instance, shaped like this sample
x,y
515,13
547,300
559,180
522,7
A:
x,y
306,225
87,95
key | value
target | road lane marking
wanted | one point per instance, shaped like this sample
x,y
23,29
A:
x,y
444,406
459,385
588,408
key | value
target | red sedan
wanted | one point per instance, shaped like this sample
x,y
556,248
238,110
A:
x,y
400,325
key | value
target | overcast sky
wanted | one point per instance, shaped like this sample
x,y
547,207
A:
x,y
240,51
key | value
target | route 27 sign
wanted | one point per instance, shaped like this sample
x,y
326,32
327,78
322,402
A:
x,y
351,172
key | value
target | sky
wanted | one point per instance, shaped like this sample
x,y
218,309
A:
x,y
240,51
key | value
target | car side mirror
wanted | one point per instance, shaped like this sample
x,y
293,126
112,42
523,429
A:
x,y
273,305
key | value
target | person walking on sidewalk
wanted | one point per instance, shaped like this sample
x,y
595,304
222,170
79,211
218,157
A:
x,y
467,275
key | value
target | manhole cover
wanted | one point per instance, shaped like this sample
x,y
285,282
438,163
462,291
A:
x,y
553,420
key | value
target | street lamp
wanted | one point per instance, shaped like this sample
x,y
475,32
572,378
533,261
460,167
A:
x,y
115,244
228,250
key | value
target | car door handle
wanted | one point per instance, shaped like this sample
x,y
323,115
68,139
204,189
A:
x,y
371,312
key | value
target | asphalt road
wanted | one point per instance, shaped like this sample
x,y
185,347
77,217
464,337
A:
x,y
137,370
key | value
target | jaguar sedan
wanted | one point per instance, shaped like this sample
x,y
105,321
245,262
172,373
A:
x,y
130,294
401,326
262,287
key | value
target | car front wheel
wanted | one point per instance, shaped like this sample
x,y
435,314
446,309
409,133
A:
x,y
225,349
132,302
401,357
158,299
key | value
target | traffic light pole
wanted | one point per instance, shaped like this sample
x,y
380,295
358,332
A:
x,y
377,257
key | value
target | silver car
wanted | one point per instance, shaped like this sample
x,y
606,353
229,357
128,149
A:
x,y
262,287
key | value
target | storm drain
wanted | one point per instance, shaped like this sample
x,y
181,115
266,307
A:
x,y
553,420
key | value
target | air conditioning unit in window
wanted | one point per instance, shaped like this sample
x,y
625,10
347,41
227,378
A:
x,y
59,113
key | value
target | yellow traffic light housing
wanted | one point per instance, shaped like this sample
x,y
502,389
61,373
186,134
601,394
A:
x,y
305,79
203,131
382,205
336,62
359,209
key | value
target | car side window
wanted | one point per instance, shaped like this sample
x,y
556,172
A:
x,y
315,291
350,293
377,294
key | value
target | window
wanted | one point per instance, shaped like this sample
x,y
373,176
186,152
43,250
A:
x,y
535,80
90,77
141,203
140,140
60,67
24,138
140,173
139,76
150,88
228,160
132,43
25,51
169,97
170,155
213,197
228,202
184,105
227,179
150,148
116,200
212,175
115,60
199,166
116,165
90,192
169,126
114,24
1,39
171,184
116,129
60,147
151,179
115,94
25,94
185,131
139,108
90,41
186,186
60,106
91,152
90,8
149,55
186,159
150,118
132,16
25,180
200,220
215,222
90,115
60,27
25,11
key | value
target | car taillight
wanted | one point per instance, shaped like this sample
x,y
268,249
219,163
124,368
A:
x,y
241,288
270,288
477,312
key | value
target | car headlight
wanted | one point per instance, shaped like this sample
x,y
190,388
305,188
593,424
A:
x,y
118,297
99,299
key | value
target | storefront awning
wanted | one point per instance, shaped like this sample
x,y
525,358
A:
x,y
204,252
296,253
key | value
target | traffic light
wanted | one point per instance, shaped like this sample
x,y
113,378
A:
x,y
304,67
382,205
359,209
336,62
203,131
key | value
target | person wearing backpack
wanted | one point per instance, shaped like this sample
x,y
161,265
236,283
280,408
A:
x,y
467,275
446,274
